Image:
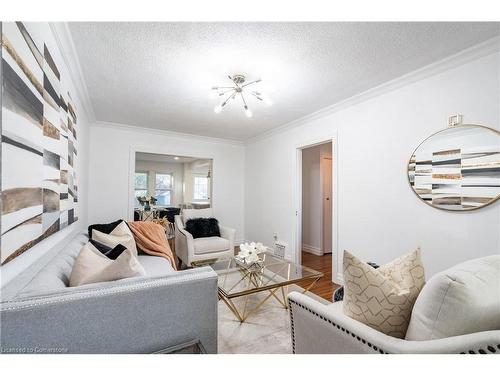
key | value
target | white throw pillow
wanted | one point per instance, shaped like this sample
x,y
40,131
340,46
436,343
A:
x,y
383,298
192,213
91,266
120,235
463,299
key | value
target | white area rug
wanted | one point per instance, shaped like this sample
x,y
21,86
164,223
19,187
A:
x,y
266,331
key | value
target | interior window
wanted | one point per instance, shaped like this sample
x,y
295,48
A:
x,y
200,188
141,184
163,188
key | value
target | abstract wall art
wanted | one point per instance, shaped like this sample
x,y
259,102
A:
x,y
457,168
38,143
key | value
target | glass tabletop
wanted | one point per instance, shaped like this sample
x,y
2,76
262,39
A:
x,y
236,280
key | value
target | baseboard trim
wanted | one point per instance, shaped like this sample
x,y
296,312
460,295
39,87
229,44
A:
x,y
338,279
312,249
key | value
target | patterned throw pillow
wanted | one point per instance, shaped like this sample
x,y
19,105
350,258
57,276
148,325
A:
x,y
120,235
91,266
110,252
383,298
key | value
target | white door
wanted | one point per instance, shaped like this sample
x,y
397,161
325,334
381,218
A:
x,y
326,176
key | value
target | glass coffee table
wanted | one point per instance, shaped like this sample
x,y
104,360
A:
x,y
274,276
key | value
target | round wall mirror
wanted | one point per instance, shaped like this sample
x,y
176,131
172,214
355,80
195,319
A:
x,y
458,168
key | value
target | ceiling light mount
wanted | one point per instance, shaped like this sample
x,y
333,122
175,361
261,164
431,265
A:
x,y
239,88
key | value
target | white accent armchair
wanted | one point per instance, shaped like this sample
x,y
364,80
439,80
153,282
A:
x,y
324,329
190,249
457,311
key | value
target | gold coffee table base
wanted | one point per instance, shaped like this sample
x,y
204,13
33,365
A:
x,y
253,278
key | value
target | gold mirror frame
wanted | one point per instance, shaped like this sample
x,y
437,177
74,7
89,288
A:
x,y
493,200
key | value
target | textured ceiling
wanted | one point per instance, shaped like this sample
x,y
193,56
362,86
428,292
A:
x,y
158,75
145,156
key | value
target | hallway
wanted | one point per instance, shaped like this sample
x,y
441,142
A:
x,y
324,287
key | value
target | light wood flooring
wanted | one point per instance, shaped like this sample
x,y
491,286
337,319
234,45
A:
x,y
324,287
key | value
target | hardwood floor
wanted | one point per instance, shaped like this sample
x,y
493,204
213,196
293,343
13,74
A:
x,y
324,287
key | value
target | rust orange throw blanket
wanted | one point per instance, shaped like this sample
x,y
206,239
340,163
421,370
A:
x,y
150,238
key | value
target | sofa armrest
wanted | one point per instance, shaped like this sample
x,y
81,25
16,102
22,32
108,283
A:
x,y
136,315
184,242
318,328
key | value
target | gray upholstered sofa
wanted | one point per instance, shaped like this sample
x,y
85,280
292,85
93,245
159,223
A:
x,y
163,310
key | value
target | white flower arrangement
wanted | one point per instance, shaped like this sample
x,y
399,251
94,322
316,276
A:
x,y
249,252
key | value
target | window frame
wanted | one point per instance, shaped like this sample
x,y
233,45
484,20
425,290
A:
x,y
147,183
200,175
171,188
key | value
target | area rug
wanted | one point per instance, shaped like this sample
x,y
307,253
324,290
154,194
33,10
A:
x,y
267,331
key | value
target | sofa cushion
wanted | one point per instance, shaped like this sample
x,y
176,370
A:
x,y
155,266
210,245
192,213
48,274
463,299
92,266
383,298
120,235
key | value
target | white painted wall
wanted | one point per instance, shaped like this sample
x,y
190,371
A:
x,y
176,169
43,32
311,200
109,182
379,216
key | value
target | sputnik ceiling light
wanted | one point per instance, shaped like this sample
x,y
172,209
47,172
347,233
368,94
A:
x,y
238,88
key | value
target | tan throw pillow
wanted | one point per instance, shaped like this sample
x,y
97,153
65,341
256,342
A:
x,y
120,235
91,266
383,298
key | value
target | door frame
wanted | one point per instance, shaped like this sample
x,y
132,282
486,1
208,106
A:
x,y
322,159
299,147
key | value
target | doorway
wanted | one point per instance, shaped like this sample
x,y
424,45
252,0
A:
x,y
316,207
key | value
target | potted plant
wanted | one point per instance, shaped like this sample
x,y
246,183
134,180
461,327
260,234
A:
x,y
248,255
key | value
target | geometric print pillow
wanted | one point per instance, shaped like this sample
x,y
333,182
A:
x,y
383,298
120,235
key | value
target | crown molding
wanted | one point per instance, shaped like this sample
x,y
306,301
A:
x,y
167,133
64,41
478,51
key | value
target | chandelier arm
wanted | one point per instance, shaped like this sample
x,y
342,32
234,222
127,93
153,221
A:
x,y
251,83
222,87
244,102
257,96
228,98
225,92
